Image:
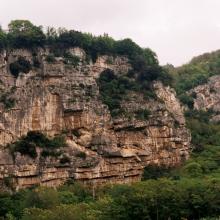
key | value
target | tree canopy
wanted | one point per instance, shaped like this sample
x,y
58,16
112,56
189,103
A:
x,y
22,33
3,39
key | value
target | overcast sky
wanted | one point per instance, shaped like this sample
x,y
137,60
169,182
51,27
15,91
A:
x,y
176,30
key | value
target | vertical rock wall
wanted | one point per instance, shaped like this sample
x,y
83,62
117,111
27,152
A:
x,y
56,98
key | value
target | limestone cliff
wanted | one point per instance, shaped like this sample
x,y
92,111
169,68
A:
x,y
59,98
207,97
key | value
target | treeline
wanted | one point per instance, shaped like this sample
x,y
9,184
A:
x,y
152,199
24,34
145,67
196,72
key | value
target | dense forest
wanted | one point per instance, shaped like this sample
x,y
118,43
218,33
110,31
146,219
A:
x,y
188,192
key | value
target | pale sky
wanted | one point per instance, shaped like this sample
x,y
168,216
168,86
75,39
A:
x,y
176,30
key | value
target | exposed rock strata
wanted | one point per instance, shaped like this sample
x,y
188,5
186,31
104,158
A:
x,y
58,98
207,97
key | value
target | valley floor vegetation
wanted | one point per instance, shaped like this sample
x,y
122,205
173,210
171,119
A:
x,y
191,191
194,195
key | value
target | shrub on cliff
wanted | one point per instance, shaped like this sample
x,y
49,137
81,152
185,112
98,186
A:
x,y
8,101
50,58
21,65
3,39
114,87
142,114
187,100
71,59
26,145
26,148
111,90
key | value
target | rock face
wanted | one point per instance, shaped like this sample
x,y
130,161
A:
x,y
207,97
59,98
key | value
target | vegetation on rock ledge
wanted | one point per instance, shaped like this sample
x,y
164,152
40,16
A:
x,y
26,145
24,34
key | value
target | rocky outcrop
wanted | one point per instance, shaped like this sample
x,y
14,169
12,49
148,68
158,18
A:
x,y
59,98
207,97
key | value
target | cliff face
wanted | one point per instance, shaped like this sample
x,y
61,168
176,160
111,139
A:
x,y
207,97
59,98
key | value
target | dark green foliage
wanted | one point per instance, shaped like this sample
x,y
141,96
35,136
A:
x,y
162,198
147,69
3,39
23,34
203,131
186,83
71,60
51,36
8,101
6,203
76,132
81,155
68,197
111,91
65,159
187,100
50,58
42,198
142,114
196,72
165,77
114,88
51,153
81,192
36,62
56,142
27,144
71,39
152,199
21,65
127,47
155,172
193,169
26,148
18,203
146,72
102,45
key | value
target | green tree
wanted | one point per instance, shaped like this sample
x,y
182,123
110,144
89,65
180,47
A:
x,y
3,39
42,197
127,47
22,33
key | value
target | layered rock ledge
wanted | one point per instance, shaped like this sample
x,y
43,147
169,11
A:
x,y
59,98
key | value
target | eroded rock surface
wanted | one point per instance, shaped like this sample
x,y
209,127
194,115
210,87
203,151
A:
x,y
57,98
207,97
